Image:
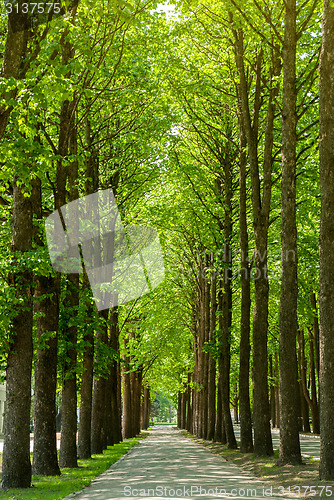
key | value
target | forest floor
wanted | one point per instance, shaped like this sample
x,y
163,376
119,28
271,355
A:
x,y
169,465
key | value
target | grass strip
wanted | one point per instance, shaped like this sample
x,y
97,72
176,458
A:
x,y
71,480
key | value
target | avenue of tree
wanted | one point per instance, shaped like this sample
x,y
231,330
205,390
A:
x,y
210,125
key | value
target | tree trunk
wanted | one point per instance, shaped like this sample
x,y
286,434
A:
x,y
246,438
68,442
15,50
127,403
225,306
315,413
179,410
16,466
84,432
115,379
136,385
220,435
146,408
108,435
272,393
316,332
212,362
289,434
98,408
196,380
189,408
205,355
45,460
312,402
326,295
304,410
225,326
261,210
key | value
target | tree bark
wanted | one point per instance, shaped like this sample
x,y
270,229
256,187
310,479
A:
x,y
205,355
288,371
115,379
16,466
127,403
326,295
316,332
313,384
84,431
261,210
45,459
98,408
225,301
311,400
225,321
145,422
68,442
15,51
220,434
246,438
211,361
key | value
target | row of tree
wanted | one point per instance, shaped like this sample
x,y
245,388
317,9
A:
x,y
206,127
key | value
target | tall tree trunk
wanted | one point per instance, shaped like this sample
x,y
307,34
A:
x,y
246,439
108,435
86,394
45,459
136,389
225,319
179,410
212,362
200,372
315,413
67,143
145,421
68,442
288,371
127,403
206,330
114,375
261,210
68,447
272,393
196,380
16,466
326,295
304,410
312,401
276,374
98,408
189,407
220,434
316,332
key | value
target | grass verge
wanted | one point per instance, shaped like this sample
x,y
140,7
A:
x,y
294,480
71,480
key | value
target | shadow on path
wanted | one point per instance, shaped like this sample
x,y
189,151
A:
x,y
170,466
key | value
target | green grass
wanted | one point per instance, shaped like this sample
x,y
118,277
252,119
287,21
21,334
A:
x,y
71,480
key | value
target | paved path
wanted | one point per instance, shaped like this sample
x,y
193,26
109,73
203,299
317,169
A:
x,y
168,465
